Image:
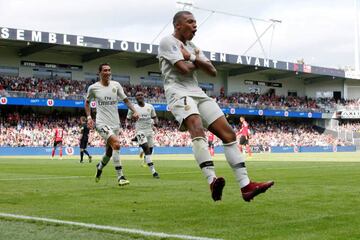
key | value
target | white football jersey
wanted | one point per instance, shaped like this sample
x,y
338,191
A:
x,y
107,99
145,123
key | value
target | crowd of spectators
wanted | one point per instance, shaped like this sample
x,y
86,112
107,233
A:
x,y
60,88
38,130
350,125
286,133
267,100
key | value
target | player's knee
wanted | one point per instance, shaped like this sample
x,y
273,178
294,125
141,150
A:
x,y
116,145
195,127
197,131
229,137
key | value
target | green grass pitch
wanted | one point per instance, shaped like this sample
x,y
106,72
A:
x,y
315,196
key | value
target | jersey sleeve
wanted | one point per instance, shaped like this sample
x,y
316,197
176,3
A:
x,y
203,57
153,112
90,93
170,50
120,92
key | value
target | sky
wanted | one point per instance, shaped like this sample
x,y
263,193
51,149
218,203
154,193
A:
x,y
321,32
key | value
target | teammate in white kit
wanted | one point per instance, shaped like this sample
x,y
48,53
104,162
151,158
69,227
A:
x,y
107,94
179,61
144,128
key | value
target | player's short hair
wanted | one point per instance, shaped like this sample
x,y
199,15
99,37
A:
x,y
103,64
178,15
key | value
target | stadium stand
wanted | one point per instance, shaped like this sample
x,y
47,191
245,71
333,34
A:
x,y
35,129
60,88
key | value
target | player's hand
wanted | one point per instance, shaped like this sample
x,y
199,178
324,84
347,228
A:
x,y
135,116
90,123
185,53
197,52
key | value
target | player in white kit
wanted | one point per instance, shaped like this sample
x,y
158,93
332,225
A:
x,y
107,94
179,61
144,128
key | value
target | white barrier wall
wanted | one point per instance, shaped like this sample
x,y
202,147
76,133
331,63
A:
x,y
352,89
330,85
236,84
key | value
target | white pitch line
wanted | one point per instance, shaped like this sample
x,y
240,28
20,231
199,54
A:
x,y
74,177
41,178
102,227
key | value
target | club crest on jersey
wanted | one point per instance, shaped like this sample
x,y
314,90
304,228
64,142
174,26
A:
x,y
114,90
187,107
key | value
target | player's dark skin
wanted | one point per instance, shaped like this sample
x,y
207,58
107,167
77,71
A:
x,y
140,101
185,29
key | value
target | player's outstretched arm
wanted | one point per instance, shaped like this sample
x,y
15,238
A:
x,y
90,122
156,121
135,114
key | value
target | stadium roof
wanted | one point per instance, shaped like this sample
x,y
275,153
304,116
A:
x,y
28,42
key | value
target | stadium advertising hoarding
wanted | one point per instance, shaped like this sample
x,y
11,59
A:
x,y
300,149
43,102
152,49
350,114
70,151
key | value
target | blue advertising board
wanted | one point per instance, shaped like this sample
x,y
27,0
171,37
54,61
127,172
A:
x,y
43,102
38,151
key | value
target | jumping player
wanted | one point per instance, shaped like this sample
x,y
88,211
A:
x,y
144,128
107,94
179,62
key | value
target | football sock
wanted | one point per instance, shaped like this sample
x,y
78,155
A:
x,y
60,150
248,149
86,152
81,156
117,163
103,162
237,163
150,163
53,152
203,158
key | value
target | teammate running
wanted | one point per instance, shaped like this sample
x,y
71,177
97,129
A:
x,y
107,94
144,128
